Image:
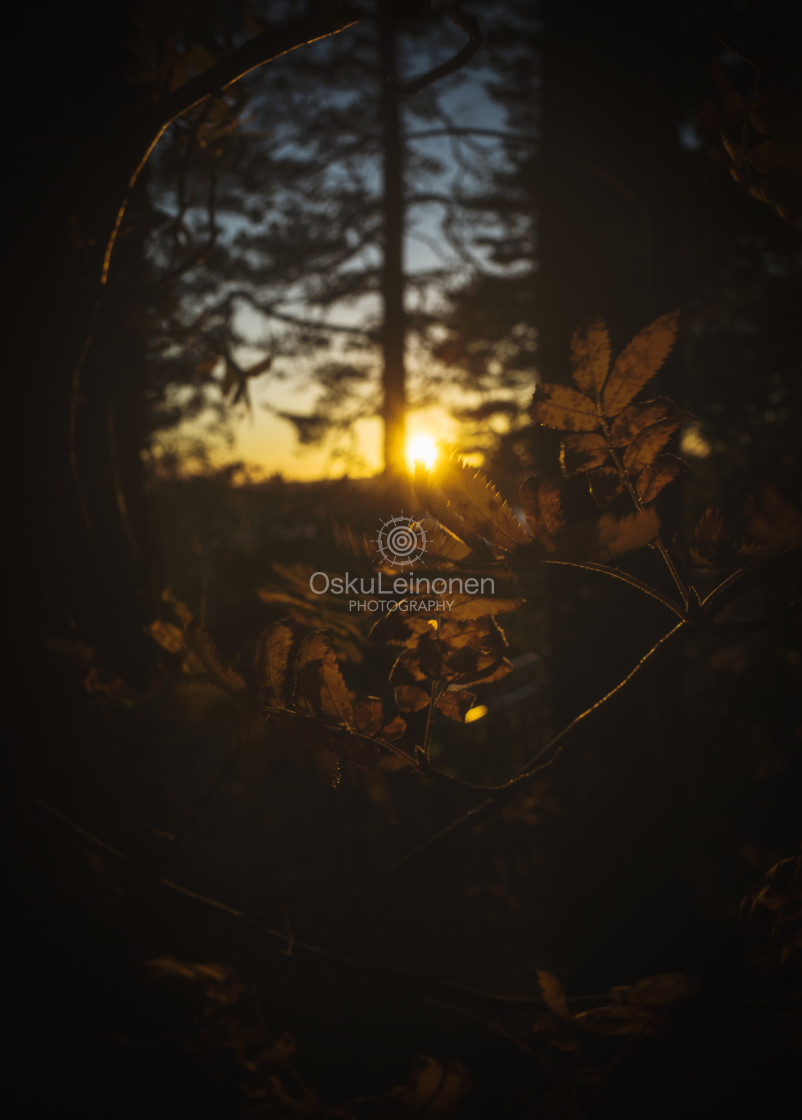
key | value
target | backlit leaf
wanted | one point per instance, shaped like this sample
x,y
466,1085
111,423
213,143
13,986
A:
x,y
540,499
590,354
559,406
644,449
474,507
273,650
618,535
369,714
201,646
477,606
641,414
336,700
583,452
553,994
713,547
655,991
773,522
638,363
454,703
169,637
658,474
410,698
605,483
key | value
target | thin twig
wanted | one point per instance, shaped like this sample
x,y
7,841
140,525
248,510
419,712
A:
x,y
460,59
625,577
499,797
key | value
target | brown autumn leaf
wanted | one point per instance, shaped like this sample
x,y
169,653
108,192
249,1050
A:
x,y
590,354
411,698
398,628
540,499
272,660
559,406
369,714
656,991
583,452
201,646
645,447
319,689
474,508
553,994
458,652
773,523
336,699
478,606
618,535
306,743
713,547
632,420
619,1019
169,637
394,729
454,703
604,483
658,474
638,362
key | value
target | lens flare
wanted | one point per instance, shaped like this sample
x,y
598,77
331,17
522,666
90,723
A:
x,y
421,449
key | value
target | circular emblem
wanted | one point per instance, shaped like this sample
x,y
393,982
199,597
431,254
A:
x,y
401,541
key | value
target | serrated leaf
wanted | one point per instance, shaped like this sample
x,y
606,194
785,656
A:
x,y
202,647
169,637
394,729
645,448
553,994
618,535
632,420
540,499
480,606
652,480
590,354
336,700
619,1019
639,362
658,474
454,703
318,687
272,660
369,714
655,991
475,508
407,668
307,743
501,670
713,546
582,452
410,698
604,483
773,521
733,102
399,628
560,406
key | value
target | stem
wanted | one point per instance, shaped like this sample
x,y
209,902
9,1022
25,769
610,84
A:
x,y
625,577
499,797
661,547
433,697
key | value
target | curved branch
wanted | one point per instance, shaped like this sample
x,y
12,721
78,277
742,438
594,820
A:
x,y
499,797
270,44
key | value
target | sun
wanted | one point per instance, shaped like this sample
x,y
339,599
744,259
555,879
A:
x,y
421,449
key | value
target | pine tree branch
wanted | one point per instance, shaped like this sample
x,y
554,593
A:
x,y
265,47
460,59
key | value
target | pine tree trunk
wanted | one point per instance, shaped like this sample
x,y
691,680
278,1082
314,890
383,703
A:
x,y
394,326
